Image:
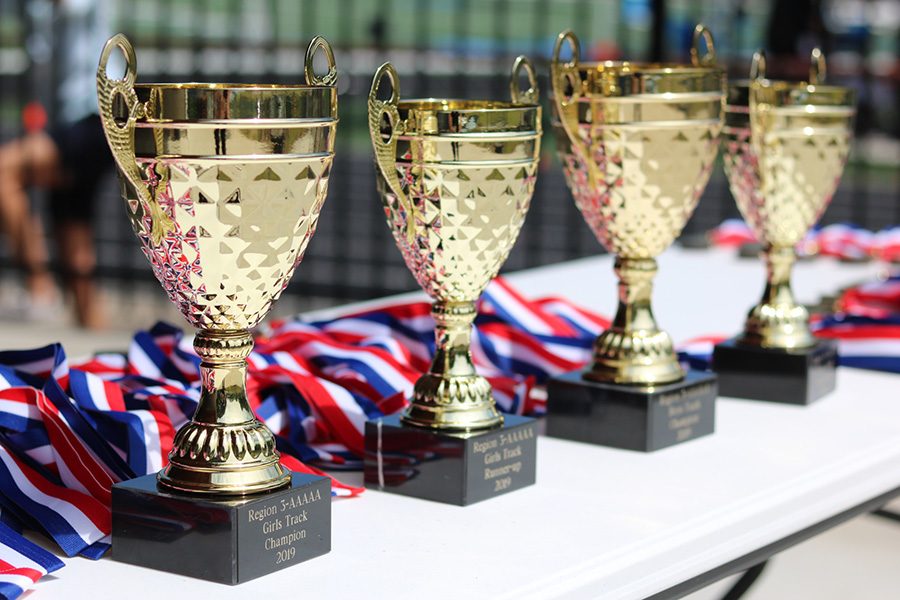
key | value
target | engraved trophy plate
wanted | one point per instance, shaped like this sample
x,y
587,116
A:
x,y
450,467
189,535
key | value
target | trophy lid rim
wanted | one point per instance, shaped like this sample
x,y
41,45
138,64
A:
x,y
194,102
836,95
232,87
637,68
784,84
478,105
611,79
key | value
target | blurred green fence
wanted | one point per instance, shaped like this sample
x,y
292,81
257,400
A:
x,y
461,48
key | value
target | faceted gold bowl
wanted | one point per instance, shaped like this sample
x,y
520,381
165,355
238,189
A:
x,y
472,165
247,171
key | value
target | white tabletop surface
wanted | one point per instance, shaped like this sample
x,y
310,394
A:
x,y
600,523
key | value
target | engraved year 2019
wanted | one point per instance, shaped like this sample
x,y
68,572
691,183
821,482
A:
x,y
285,555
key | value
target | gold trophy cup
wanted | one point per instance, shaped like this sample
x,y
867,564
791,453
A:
x,y
785,147
223,185
456,178
637,143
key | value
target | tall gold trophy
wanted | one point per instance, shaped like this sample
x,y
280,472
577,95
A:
x,y
456,178
786,144
223,185
637,142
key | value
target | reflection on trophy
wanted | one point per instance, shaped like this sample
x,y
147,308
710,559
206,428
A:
x,y
223,185
637,143
786,145
456,178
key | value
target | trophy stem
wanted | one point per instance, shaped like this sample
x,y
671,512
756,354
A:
x,y
633,350
224,450
451,396
778,321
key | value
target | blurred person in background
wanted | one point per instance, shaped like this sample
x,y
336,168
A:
x,y
795,28
68,160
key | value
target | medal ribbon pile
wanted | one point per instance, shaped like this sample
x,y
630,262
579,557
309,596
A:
x,y
840,240
67,434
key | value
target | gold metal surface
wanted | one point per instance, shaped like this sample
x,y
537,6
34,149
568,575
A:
x,y
785,147
223,184
637,143
456,179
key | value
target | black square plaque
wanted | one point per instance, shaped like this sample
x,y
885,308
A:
x,y
788,376
227,541
454,468
631,417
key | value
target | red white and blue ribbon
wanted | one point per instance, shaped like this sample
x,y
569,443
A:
x,y
840,240
731,233
877,299
74,520
866,326
863,342
22,563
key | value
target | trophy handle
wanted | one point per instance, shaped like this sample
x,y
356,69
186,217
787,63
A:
x,y
516,93
120,134
329,78
758,65
708,59
817,67
386,150
564,75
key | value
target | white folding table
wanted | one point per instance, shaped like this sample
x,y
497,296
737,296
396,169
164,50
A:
x,y
605,523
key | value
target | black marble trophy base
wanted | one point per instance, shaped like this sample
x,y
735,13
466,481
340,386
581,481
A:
x,y
787,376
227,541
631,417
453,468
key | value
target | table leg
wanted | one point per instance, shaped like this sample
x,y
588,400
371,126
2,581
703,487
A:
x,y
887,514
745,582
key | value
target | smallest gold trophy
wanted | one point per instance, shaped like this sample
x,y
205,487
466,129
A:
x,y
786,144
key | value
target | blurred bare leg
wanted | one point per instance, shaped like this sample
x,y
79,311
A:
x,y
31,161
79,258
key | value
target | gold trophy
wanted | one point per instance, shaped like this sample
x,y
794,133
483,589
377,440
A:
x,y
456,178
223,184
637,142
786,144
